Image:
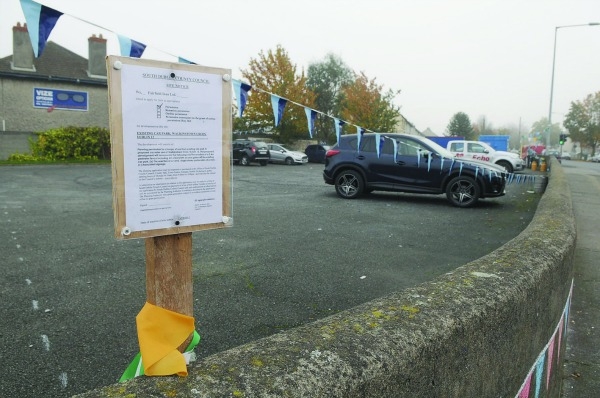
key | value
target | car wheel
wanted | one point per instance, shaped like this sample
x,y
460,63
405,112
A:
x,y
463,191
505,165
244,161
349,184
289,161
263,162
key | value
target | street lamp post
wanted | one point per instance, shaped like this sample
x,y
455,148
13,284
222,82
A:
x,y
552,80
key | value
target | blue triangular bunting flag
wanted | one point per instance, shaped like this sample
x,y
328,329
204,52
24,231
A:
x,y
241,94
359,133
539,370
311,115
185,61
338,128
278,104
131,48
40,22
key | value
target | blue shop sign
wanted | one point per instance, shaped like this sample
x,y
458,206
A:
x,y
51,98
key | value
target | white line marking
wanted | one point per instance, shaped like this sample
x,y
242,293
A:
x,y
46,342
34,303
28,281
63,379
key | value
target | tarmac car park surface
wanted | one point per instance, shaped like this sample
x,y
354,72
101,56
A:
x,y
295,253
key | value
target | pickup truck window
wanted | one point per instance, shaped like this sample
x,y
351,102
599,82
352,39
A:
x,y
477,148
457,147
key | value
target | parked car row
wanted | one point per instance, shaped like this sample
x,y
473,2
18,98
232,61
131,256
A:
x,y
387,162
245,152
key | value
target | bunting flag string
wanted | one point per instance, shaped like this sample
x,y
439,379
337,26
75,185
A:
x,y
338,123
546,355
42,19
40,22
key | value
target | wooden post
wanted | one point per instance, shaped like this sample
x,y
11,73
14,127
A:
x,y
169,282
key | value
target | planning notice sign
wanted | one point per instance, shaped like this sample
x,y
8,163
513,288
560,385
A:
x,y
170,138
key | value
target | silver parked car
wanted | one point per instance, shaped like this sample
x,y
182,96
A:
x,y
280,154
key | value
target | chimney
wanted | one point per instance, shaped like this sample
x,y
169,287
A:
x,y
97,56
22,49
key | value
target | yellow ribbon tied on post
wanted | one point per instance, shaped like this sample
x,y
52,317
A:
x,y
160,333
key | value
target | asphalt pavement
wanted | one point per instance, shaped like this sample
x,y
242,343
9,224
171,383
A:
x,y
69,291
582,366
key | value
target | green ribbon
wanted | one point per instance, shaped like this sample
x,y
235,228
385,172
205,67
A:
x,y
136,367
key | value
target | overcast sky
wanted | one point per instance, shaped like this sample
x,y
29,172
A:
x,y
489,59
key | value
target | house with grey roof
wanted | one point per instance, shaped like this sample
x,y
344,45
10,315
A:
x,y
60,88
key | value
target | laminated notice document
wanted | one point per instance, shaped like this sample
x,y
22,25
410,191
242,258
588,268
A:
x,y
170,134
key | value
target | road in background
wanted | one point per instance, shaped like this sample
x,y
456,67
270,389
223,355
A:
x,y
70,291
582,366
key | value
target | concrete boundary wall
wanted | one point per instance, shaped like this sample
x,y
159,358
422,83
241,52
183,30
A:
x,y
474,332
15,142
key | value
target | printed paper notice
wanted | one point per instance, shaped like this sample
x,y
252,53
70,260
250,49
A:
x,y
172,144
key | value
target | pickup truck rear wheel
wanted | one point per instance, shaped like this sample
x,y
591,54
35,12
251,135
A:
x,y
463,191
505,165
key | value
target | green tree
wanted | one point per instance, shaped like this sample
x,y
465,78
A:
x,y
540,130
274,73
460,126
583,121
327,80
364,103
